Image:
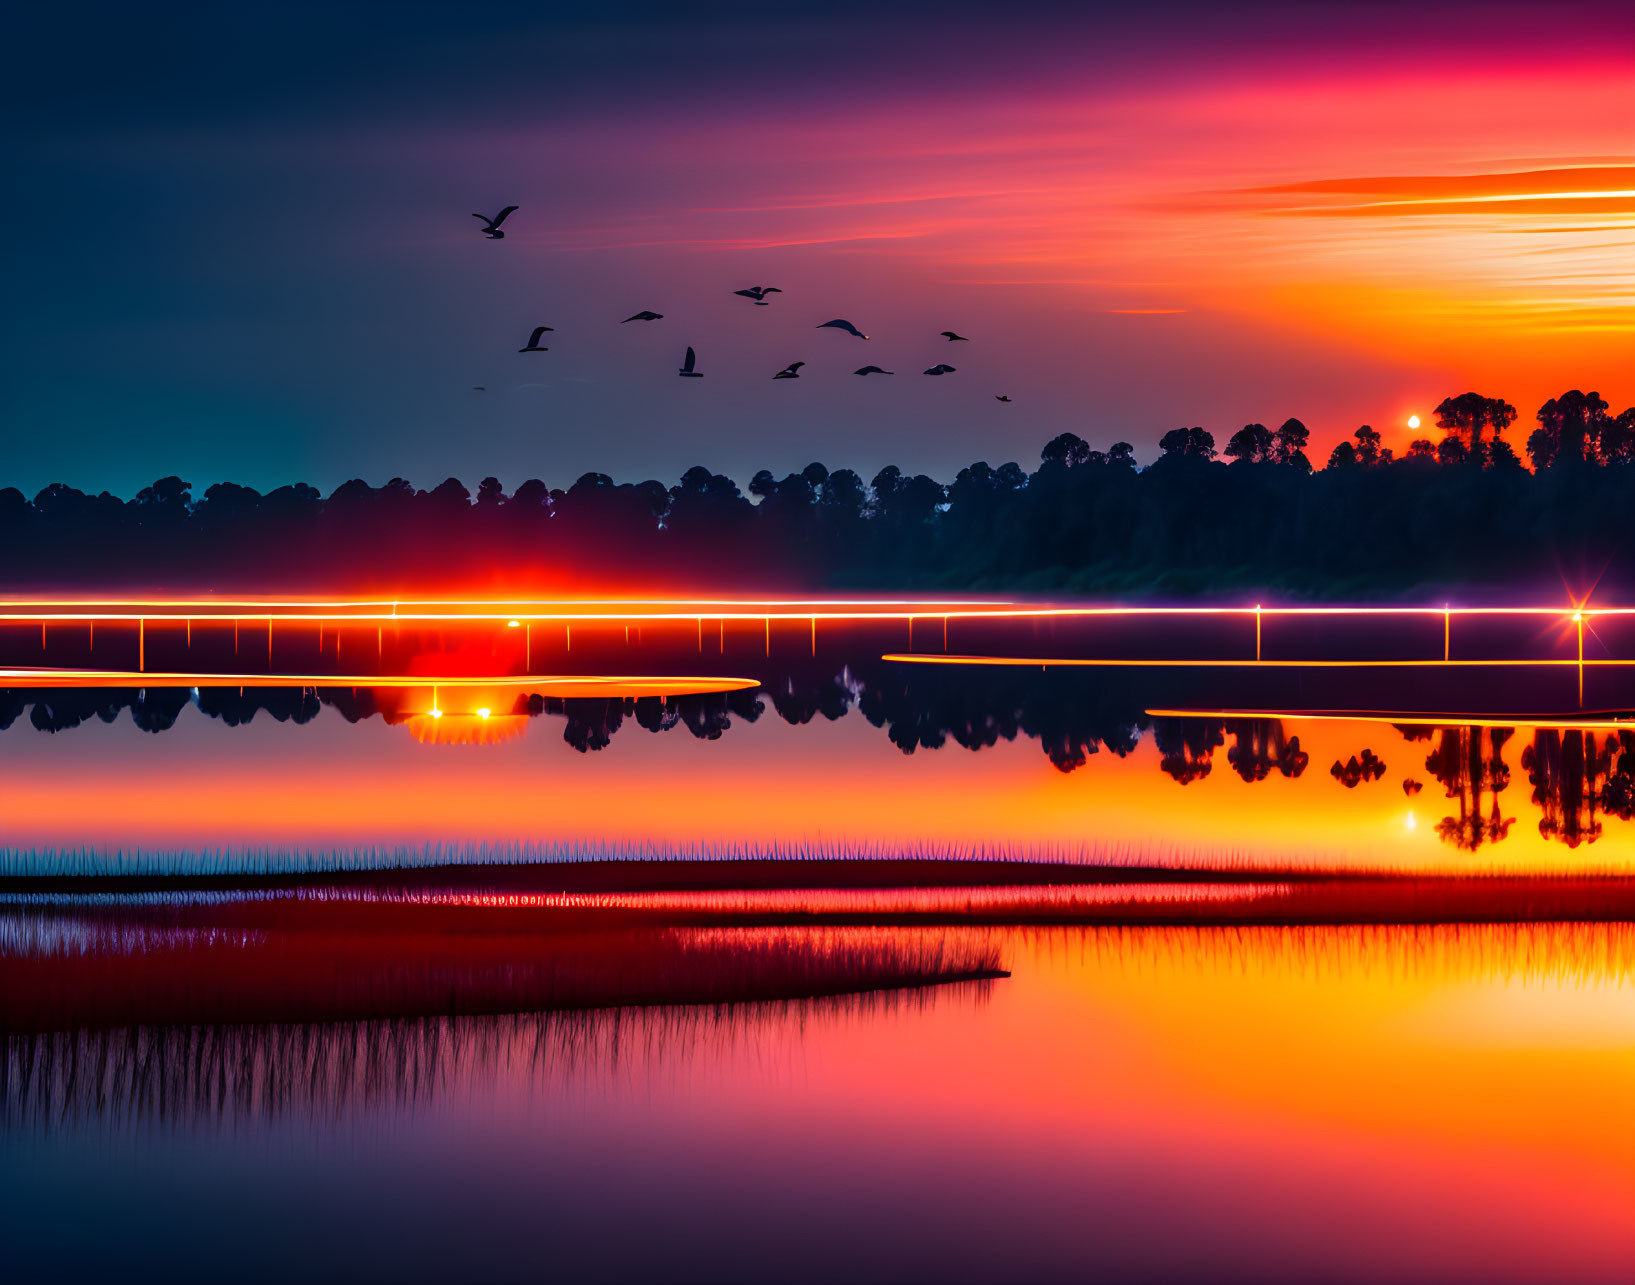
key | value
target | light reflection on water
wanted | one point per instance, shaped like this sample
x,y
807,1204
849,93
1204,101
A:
x,y
1446,1102
401,1078
1111,785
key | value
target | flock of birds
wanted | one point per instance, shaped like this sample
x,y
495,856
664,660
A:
x,y
757,294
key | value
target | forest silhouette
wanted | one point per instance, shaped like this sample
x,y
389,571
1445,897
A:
x,y
1463,511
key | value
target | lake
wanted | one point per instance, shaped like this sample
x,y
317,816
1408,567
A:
x,y
1118,955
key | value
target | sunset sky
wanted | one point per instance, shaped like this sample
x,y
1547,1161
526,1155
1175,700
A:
x,y
243,245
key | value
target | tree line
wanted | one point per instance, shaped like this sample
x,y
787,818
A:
x,y
1254,515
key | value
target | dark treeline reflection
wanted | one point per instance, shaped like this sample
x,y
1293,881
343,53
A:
x,y
191,1077
1254,513
1576,778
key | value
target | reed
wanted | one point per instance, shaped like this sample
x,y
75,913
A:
x,y
295,859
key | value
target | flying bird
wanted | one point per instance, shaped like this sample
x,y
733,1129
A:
x,y
759,293
791,371
533,340
478,388
645,316
950,336
491,229
843,325
1001,399
687,371
872,370
940,369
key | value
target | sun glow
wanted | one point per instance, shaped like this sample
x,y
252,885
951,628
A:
x,y
1413,421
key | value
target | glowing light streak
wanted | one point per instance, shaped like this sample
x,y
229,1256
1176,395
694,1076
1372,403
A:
x,y
1526,722
559,685
923,658
749,610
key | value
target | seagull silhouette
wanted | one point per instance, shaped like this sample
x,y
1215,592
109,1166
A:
x,y
791,371
940,369
843,325
478,388
687,371
950,336
759,293
533,340
492,230
1001,399
872,370
645,316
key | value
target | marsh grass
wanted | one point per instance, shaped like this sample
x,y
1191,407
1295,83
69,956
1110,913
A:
x,y
156,967
138,862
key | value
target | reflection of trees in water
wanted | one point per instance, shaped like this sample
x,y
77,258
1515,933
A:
x,y
214,1077
922,707
1576,776
1469,762
1259,747
1359,768
1187,746
918,709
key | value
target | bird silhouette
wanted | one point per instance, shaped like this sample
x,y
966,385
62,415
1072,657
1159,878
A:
x,y
872,370
759,293
645,316
843,325
791,371
1001,399
478,388
687,371
950,336
491,229
940,369
533,340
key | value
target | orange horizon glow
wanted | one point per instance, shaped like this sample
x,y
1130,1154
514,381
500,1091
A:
x,y
762,785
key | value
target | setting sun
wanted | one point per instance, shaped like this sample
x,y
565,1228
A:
x,y
1413,421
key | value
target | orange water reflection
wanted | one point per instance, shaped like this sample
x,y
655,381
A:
x,y
1253,1103
833,784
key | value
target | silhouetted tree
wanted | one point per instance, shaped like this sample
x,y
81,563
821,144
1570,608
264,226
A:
x,y
1570,430
1188,443
1289,445
1251,444
1473,422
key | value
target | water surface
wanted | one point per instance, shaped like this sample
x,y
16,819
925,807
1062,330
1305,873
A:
x,y
854,968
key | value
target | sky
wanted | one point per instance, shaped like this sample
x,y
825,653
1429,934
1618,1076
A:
x,y
243,247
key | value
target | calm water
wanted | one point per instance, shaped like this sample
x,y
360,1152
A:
x,y
1233,1074
1358,1103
